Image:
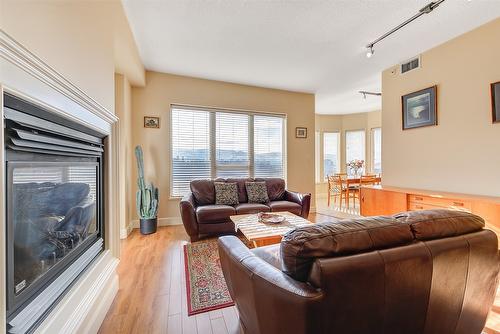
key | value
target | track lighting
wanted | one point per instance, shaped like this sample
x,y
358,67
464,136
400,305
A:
x,y
424,10
364,92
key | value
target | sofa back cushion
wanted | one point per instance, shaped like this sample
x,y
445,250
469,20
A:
x,y
203,191
300,247
435,224
275,188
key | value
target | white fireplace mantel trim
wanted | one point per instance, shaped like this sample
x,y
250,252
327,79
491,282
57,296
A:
x,y
17,54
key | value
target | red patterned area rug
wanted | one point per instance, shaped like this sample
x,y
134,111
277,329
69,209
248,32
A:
x,y
205,285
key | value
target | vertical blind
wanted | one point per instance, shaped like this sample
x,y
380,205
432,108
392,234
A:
x,y
208,143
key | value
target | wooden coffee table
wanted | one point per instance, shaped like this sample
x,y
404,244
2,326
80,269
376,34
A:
x,y
262,234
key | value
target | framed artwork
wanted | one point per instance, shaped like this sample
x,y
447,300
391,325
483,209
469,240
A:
x,y
495,101
151,122
420,108
300,132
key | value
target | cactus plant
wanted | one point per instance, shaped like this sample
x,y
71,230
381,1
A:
x,y
147,195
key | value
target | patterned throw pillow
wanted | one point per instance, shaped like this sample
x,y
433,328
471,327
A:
x,y
257,192
226,193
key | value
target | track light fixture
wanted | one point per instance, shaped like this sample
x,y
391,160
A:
x,y
370,51
364,92
424,10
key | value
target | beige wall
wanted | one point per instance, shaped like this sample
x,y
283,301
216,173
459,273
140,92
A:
x,y
461,154
161,90
341,124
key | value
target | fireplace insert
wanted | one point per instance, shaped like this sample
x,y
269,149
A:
x,y
54,190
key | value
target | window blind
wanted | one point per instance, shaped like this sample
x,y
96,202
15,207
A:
x,y
210,143
190,148
232,154
268,146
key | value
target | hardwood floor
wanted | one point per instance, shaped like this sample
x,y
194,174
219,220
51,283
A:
x,y
152,294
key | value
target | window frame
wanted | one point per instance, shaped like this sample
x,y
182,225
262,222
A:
x,y
212,139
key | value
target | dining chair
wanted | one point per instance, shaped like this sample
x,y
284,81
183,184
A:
x,y
336,188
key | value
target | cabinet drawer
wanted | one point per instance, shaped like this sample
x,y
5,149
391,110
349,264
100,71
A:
x,y
412,206
447,203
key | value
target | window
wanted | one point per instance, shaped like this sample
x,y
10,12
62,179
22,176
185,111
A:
x,y
231,145
377,150
190,148
317,156
208,143
331,161
268,146
354,146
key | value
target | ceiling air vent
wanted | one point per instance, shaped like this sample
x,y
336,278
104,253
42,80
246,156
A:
x,y
411,64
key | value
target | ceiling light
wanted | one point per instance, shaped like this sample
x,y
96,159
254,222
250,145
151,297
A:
x,y
370,52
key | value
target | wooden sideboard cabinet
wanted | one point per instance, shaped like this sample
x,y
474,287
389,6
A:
x,y
381,200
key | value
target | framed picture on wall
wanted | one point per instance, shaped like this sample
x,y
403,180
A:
x,y
495,101
300,132
419,108
151,122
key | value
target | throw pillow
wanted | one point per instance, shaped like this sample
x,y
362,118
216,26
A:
x,y
257,192
226,193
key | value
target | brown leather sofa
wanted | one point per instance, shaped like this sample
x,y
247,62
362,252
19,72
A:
x,y
416,272
201,216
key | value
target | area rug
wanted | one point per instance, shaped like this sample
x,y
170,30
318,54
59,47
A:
x,y
205,285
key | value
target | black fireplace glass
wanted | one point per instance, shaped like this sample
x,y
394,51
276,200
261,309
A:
x,y
53,211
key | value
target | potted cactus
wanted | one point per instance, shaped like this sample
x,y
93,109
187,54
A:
x,y
146,198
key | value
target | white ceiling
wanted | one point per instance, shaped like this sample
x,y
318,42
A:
x,y
303,45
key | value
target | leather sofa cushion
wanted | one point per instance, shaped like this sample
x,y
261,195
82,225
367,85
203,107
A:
x,y
203,191
247,208
208,214
270,254
434,224
300,247
292,207
275,188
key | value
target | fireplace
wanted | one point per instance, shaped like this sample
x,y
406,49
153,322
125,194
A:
x,y
54,195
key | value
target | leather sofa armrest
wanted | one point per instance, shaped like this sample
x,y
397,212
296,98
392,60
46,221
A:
x,y
304,200
268,300
188,214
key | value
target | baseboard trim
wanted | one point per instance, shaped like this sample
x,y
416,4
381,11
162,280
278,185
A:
x,y
84,307
167,221
124,232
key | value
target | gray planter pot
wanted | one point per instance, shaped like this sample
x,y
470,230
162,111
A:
x,y
148,226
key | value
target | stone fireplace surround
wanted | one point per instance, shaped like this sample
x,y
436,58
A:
x,y
22,73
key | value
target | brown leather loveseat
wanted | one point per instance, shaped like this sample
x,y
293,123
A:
x,y
416,272
201,216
